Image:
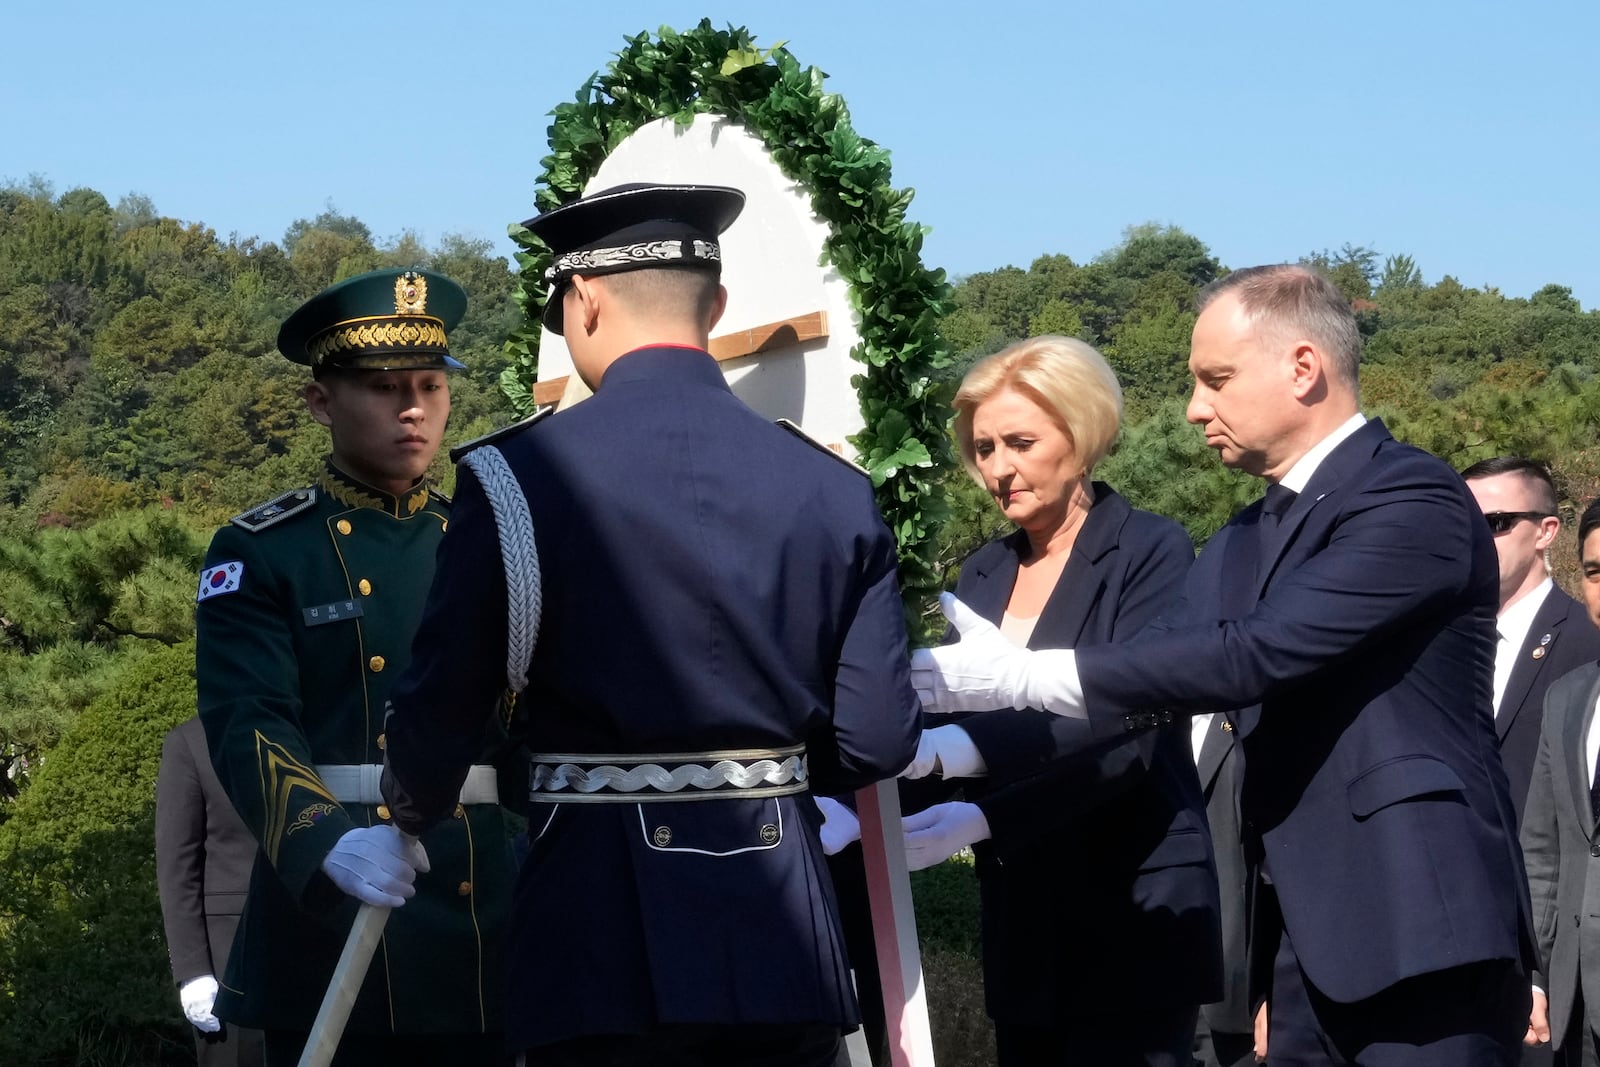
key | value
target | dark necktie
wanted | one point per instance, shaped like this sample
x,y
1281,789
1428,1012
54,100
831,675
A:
x,y
1277,501
1273,507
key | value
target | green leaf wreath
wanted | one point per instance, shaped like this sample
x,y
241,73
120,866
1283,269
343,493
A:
x,y
900,302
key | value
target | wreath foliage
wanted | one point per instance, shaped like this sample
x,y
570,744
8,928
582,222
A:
x,y
678,75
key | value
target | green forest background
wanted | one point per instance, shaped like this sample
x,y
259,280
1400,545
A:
x,y
142,403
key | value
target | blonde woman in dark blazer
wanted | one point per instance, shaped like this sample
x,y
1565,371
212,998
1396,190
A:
x,y
1099,895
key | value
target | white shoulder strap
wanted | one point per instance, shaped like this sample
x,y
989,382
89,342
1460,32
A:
x,y
519,554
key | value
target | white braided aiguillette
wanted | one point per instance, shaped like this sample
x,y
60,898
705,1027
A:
x,y
519,554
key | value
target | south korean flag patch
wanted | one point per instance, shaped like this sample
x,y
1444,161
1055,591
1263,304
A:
x,y
223,578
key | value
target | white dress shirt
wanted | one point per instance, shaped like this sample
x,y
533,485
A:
x,y
1199,728
1513,624
1591,746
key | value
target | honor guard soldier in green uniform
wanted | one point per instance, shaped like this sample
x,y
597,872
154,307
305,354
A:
x,y
307,606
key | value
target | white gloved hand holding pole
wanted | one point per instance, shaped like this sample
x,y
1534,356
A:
x,y
377,865
199,996
840,826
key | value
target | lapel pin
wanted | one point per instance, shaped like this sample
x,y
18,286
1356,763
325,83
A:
x,y
1545,640
1538,653
1227,727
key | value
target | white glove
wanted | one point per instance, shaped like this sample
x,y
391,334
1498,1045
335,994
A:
x,y
984,671
947,751
934,835
376,865
839,825
198,996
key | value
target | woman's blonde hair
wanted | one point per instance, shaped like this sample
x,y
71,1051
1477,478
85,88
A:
x,y
1066,377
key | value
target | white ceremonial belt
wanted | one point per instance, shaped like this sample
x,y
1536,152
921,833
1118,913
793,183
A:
x,y
632,778
357,783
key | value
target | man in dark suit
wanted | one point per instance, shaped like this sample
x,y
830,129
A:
x,y
721,629
1542,632
1225,1036
204,853
1352,613
1560,840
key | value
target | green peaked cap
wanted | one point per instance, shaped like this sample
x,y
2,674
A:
x,y
381,320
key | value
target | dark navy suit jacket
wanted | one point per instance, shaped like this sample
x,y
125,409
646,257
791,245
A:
x,y
710,582
1561,640
1373,795
1098,877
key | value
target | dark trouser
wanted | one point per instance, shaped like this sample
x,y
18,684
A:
x,y
1469,1016
1580,1047
742,1045
1158,1037
1222,1048
396,1050
232,1046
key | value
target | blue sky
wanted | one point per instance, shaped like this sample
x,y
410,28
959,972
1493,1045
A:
x,y
1464,133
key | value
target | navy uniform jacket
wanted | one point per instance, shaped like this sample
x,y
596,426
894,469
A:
x,y
294,668
1373,792
1098,878
1560,640
710,582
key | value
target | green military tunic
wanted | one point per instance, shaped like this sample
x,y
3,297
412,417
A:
x,y
307,607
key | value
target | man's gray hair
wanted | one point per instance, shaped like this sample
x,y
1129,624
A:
x,y
1296,301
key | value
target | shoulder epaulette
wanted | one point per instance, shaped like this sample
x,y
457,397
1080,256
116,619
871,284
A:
x,y
820,447
499,435
276,510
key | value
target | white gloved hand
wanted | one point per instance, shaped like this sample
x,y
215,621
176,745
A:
x,y
934,835
376,865
198,996
984,671
947,751
839,825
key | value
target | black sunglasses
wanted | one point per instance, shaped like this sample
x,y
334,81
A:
x,y
1502,521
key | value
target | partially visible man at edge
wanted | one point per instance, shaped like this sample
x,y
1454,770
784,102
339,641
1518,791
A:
x,y
1348,619
307,608
1543,633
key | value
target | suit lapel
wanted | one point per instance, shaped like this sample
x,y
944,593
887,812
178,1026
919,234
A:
x,y
993,591
1572,731
1536,648
1340,465
1082,579
1071,602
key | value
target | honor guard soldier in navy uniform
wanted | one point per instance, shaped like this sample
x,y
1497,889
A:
x,y
721,632
307,606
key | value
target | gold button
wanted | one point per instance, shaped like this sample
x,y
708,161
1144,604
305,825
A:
x,y
376,663
343,526
383,812
461,812
663,836
382,740
365,587
464,888
769,834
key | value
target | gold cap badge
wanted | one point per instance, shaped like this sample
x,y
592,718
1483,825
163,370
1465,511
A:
x,y
411,294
